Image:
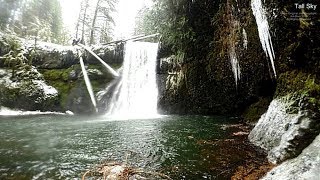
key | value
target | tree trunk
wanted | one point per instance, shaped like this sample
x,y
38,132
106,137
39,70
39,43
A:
x,y
84,21
94,22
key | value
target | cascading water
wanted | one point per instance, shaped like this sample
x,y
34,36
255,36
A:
x,y
136,94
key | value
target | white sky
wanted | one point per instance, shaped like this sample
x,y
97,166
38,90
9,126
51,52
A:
x,y
124,18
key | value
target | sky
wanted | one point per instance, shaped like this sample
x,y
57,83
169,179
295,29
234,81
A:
x,y
124,18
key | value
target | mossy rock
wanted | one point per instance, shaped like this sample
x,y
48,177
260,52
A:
x,y
27,95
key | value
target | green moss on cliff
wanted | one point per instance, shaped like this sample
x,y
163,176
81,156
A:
x,y
253,113
301,86
66,81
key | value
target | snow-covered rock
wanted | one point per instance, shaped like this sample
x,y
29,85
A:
x,y
53,56
27,91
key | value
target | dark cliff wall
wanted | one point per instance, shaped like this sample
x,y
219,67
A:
x,y
206,84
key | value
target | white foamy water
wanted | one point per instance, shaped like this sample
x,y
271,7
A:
x,y
136,94
259,13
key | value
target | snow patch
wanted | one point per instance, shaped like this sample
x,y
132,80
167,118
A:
x,y
48,91
50,47
4,111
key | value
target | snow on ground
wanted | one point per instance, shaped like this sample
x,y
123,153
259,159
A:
x,y
48,91
4,111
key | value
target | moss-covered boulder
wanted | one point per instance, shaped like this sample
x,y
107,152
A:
x,y
27,91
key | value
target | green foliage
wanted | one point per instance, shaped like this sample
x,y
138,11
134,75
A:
x,y
254,111
169,18
59,79
8,9
300,85
41,19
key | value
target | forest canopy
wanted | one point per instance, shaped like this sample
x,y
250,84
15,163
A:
x,y
43,20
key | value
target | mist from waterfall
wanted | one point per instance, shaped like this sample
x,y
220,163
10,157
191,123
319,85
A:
x,y
136,94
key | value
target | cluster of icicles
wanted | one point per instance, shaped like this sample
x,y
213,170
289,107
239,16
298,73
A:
x,y
259,13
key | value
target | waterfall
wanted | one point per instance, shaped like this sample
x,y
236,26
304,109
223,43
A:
x,y
136,94
263,27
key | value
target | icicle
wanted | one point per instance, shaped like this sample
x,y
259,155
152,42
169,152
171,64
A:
x,y
234,26
87,81
245,39
263,28
235,64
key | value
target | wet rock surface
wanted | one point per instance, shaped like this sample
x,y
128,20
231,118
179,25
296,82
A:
x,y
305,166
284,135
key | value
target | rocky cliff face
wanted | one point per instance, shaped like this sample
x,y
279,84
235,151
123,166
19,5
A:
x,y
207,82
282,133
224,30
290,125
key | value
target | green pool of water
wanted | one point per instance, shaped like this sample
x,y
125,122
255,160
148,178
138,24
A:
x,y
64,147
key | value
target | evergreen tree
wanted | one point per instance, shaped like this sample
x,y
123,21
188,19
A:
x,y
102,17
95,22
170,18
45,16
83,21
8,9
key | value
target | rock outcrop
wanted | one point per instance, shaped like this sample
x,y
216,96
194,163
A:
x,y
290,125
282,133
305,166
28,89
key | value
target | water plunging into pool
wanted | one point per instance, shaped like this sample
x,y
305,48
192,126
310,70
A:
x,y
136,94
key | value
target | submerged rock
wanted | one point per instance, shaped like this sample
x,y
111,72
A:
x,y
305,166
